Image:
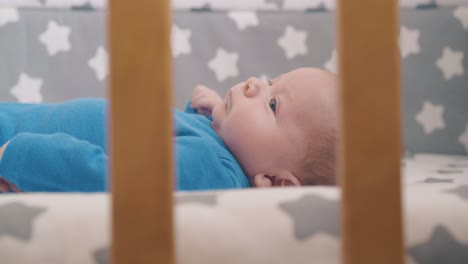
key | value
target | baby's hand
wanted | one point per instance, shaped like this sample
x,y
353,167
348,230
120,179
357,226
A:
x,y
6,186
204,99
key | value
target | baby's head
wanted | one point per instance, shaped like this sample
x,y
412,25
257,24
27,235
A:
x,y
283,132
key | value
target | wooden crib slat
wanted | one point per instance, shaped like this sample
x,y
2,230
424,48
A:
x,y
141,131
371,132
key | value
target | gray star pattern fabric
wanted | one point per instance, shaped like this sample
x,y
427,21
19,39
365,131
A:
x,y
457,165
53,51
101,255
436,180
205,199
441,248
278,3
461,191
308,214
51,55
17,220
445,171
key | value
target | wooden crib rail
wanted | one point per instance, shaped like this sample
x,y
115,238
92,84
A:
x,y
141,125
370,150
141,131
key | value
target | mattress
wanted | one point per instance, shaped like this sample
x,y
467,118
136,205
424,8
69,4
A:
x,y
283,225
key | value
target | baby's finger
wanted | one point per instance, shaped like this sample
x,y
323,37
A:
x,y
14,188
199,89
200,102
204,111
196,99
3,186
205,103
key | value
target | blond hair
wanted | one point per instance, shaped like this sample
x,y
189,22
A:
x,y
318,166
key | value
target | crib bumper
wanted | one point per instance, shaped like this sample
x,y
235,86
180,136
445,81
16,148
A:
x,y
56,50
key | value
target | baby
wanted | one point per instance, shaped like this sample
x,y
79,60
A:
x,y
283,133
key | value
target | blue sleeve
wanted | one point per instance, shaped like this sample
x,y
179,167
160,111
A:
x,y
56,162
199,168
190,110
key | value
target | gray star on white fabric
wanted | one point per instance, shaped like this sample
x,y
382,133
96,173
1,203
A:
x,y
445,171
319,9
206,199
455,165
204,8
278,3
440,248
84,7
17,219
437,180
431,5
312,214
101,255
461,191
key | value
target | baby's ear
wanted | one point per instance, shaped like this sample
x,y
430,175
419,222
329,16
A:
x,y
263,181
283,178
286,178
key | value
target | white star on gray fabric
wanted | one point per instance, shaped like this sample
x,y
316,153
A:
x,y
461,13
27,89
180,40
8,15
224,64
450,63
244,19
55,38
409,41
463,139
293,42
332,63
431,117
99,63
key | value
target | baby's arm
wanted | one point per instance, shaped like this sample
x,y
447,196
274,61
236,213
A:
x,y
55,162
4,185
204,99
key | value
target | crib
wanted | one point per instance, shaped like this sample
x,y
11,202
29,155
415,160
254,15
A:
x,y
257,226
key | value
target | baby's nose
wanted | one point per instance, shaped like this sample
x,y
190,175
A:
x,y
254,87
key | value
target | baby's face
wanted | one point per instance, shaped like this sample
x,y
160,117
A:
x,y
265,126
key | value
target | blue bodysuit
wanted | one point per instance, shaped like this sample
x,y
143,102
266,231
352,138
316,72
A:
x,y
62,147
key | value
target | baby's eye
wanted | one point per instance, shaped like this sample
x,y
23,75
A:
x,y
270,82
273,104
